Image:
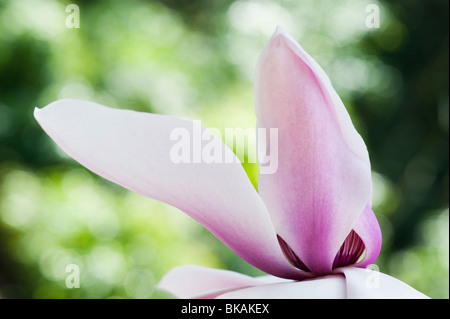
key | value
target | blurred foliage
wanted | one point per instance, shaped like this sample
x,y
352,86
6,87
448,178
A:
x,y
195,59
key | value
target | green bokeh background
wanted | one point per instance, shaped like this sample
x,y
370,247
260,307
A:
x,y
195,59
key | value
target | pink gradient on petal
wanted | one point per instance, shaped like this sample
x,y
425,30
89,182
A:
x,y
369,231
133,150
323,180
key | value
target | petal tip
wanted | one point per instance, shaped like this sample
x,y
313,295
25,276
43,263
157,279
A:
x,y
36,113
279,30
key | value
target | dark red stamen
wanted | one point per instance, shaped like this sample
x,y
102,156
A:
x,y
290,255
351,251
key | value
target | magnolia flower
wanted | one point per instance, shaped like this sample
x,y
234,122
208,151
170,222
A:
x,y
309,226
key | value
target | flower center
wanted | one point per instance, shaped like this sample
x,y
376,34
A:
x,y
351,252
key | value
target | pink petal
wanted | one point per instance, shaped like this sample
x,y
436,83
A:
x,y
371,284
369,231
323,180
327,287
201,282
132,149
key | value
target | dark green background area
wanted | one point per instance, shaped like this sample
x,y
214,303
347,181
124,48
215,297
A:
x,y
195,59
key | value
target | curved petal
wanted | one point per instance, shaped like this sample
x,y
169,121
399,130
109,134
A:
x,y
323,181
200,282
133,150
349,282
371,284
327,287
369,231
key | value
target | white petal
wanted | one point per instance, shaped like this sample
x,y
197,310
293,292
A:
x,y
371,284
327,287
192,281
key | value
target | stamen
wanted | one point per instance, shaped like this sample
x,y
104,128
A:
x,y
293,259
350,252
